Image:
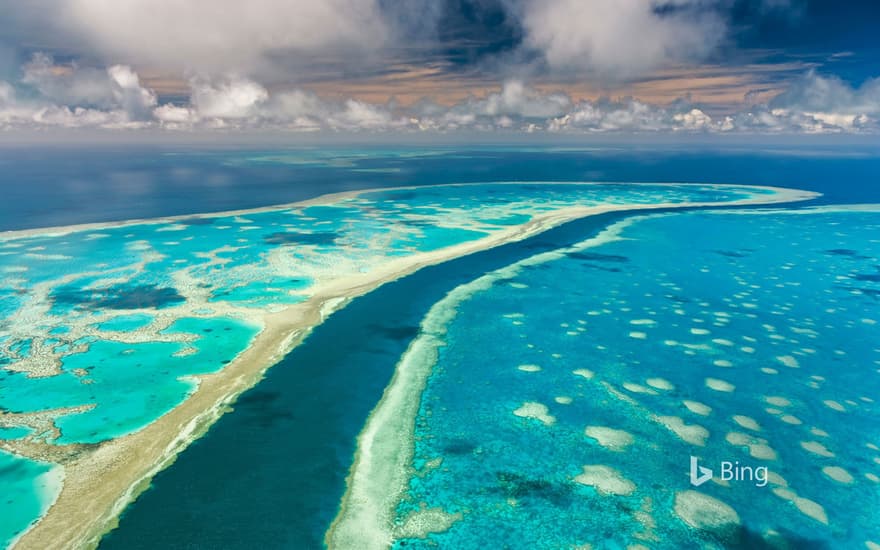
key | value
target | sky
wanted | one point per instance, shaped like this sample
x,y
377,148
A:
x,y
560,67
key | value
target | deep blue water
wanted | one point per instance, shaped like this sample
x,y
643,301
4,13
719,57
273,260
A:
x,y
64,185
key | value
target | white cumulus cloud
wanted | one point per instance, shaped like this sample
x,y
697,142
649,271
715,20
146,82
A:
x,y
117,87
52,95
620,38
817,104
233,98
220,35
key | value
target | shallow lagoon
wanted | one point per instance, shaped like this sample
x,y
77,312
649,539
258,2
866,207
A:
x,y
747,337
28,488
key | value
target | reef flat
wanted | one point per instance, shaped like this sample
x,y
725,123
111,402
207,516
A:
x,y
739,335
121,343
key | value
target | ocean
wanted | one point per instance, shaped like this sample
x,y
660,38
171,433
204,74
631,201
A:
x,y
507,439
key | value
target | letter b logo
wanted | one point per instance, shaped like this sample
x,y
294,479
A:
x,y
699,474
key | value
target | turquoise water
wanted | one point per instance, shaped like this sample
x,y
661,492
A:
x,y
15,432
25,482
122,385
76,301
748,337
103,329
123,323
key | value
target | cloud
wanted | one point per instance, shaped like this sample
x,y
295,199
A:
x,y
514,105
383,46
73,97
516,99
79,117
233,98
830,94
53,95
21,113
360,115
818,104
10,109
134,99
68,84
173,116
242,103
115,87
620,38
282,39
811,104
208,36
632,115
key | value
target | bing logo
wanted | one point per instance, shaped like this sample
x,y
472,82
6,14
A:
x,y
729,471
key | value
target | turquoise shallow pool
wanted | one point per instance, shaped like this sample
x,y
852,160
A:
x,y
570,390
28,487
